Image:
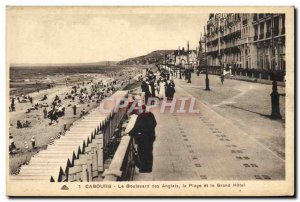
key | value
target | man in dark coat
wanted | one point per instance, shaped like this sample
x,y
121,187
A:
x,y
168,76
152,78
144,136
170,90
145,89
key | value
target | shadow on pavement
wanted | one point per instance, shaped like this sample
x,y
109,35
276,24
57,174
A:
x,y
263,115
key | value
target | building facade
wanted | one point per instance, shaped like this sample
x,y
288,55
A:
x,y
245,41
269,40
184,58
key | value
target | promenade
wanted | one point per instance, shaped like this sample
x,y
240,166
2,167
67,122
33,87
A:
x,y
211,144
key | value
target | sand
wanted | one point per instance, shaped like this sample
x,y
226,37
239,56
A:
x,y
40,127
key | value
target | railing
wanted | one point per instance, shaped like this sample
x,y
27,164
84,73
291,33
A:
x,y
229,44
122,167
259,74
216,70
244,41
212,48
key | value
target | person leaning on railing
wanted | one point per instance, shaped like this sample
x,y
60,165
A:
x,y
143,133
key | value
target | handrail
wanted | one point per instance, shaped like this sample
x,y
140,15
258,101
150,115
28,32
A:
x,y
122,165
114,172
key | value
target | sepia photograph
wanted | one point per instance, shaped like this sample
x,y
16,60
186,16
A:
x,y
150,101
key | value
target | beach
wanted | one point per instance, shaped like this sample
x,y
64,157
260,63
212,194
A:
x,y
40,127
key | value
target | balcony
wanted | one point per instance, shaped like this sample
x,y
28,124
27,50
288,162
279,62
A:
x,y
212,49
223,46
268,34
261,36
241,41
245,40
229,45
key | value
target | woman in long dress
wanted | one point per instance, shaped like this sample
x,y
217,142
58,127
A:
x,y
171,75
162,90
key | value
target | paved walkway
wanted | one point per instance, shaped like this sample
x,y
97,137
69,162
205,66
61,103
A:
x,y
206,146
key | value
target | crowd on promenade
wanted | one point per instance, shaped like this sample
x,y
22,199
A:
x,y
159,85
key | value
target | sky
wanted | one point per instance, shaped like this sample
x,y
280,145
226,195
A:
x,y
40,35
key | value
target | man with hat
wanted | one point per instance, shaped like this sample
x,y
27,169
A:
x,y
144,136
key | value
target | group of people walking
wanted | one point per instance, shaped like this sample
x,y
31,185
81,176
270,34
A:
x,y
166,88
162,87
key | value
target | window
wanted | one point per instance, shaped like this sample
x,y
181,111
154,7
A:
x,y
255,17
269,26
261,27
261,16
283,24
255,32
282,62
267,62
261,31
276,26
249,62
261,62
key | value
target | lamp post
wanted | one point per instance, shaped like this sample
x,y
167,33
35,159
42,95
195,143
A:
x,y
219,18
189,72
206,72
179,63
174,66
275,114
180,72
165,65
